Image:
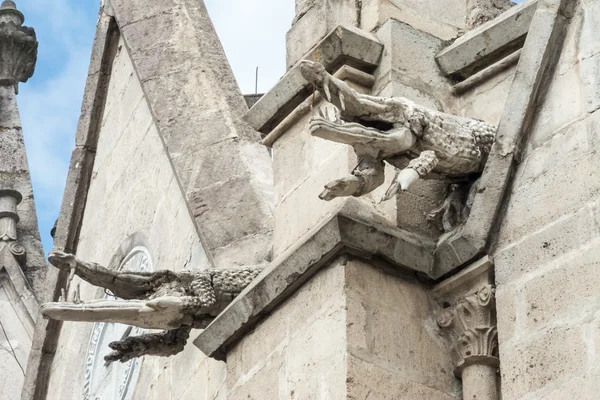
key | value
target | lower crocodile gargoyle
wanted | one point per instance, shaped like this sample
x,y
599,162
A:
x,y
174,301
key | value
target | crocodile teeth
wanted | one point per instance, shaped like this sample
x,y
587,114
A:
x,y
342,101
327,91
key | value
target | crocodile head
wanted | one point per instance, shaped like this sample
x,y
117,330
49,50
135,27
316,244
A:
x,y
160,313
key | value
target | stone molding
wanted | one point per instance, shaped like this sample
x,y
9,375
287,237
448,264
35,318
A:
x,y
9,218
18,46
491,41
344,233
343,46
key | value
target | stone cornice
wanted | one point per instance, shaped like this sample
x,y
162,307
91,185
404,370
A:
x,y
346,232
491,41
343,46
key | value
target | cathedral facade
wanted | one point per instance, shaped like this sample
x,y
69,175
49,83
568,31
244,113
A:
x,y
411,212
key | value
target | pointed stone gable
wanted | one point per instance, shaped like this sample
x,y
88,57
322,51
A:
x,y
224,172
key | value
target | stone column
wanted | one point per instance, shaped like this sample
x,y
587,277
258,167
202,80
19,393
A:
x,y
469,319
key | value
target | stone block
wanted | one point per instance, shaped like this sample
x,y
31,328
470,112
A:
x,y
316,351
290,224
423,15
316,23
129,12
410,53
363,281
545,190
566,292
583,386
542,359
488,39
562,105
406,335
222,210
383,382
487,101
264,383
536,249
506,311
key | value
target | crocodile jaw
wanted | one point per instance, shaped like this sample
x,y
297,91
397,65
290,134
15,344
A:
x,y
161,313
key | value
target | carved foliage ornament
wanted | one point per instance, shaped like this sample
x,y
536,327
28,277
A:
x,y
419,142
472,325
18,46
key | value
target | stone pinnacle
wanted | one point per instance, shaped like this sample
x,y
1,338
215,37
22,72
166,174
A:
x,y
8,4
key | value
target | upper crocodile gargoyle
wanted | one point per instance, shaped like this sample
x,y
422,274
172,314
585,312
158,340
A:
x,y
174,301
419,142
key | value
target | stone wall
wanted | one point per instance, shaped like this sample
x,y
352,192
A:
x,y
351,332
315,19
547,254
133,190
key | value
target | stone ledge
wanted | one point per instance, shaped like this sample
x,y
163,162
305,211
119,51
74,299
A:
x,y
343,46
339,235
489,42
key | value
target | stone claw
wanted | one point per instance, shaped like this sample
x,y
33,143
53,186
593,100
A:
x,y
62,260
348,186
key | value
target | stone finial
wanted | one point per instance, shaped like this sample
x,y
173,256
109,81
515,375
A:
x,y
18,46
471,323
9,199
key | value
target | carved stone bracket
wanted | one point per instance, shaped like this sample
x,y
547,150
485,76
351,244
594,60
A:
x,y
472,325
18,46
9,199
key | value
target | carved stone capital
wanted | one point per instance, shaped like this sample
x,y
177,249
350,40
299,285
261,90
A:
x,y
471,323
18,46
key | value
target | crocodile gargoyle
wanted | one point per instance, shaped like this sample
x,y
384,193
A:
x,y
421,143
173,301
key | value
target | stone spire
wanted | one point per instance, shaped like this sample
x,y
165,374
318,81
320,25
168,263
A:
x,y
22,263
18,222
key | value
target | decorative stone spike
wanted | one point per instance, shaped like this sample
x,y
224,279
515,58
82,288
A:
x,y
18,46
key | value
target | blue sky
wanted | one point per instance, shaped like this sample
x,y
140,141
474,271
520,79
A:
x,y
50,102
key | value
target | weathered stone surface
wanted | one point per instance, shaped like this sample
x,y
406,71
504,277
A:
x,y
408,60
385,383
314,21
537,248
340,235
540,360
547,26
391,326
487,40
344,45
565,290
196,101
